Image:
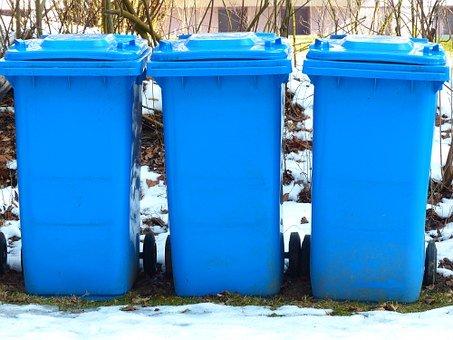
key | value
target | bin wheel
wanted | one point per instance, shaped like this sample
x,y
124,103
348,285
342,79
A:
x,y
149,254
168,263
3,254
294,254
430,264
305,260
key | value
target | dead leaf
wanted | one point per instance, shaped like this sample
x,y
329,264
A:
x,y
140,300
390,307
154,221
429,301
355,309
150,183
287,177
438,120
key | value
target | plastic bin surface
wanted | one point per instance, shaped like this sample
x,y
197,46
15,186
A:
x,y
374,111
78,122
222,103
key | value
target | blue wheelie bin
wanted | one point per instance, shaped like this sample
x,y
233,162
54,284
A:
x,y
78,119
222,105
374,111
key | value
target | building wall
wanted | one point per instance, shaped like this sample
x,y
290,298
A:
x,y
180,20
316,19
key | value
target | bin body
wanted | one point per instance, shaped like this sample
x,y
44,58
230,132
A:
x,y
223,130
373,129
78,127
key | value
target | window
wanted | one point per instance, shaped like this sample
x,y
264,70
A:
x,y
302,18
232,19
447,22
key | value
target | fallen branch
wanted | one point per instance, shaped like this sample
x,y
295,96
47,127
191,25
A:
x,y
151,120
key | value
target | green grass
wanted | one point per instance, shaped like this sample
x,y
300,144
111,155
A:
x,y
159,292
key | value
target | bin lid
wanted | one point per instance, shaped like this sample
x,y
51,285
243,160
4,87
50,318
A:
x,y
385,49
222,46
78,47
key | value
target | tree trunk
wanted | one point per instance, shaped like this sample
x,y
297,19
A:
x,y
17,17
39,11
107,21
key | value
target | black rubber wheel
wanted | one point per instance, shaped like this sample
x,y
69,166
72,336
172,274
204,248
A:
x,y
430,264
168,263
305,261
3,254
294,255
149,255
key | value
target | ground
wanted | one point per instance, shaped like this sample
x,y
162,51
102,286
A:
x,y
214,321
293,306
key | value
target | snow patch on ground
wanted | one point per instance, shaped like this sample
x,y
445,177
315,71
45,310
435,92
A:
x,y
299,164
154,199
292,215
11,229
151,98
12,165
208,321
445,272
445,233
8,197
442,137
445,249
444,209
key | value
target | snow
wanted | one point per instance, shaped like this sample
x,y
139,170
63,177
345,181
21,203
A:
x,y
209,321
442,145
445,233
445,249
445,272
292,214
152,97
292,190
154,204
12,165
12,229
300,165
444,209
7,198
154,199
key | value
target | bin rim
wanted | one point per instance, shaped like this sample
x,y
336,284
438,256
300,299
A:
x,y
105,68
78,47
314,67
222,46
379,48
219,68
